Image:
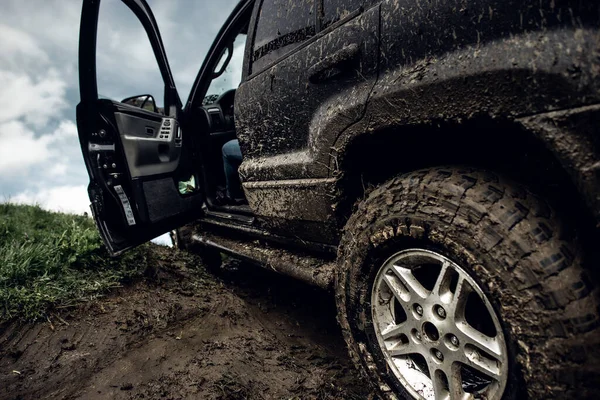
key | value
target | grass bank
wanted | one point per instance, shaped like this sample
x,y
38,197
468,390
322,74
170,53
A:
x,y
53,260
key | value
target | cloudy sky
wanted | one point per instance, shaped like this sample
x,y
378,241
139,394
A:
x,y
40,160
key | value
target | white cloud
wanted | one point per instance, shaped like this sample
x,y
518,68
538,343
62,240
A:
x,y
68,199
53,24
59,169
20,149
33,90
66,131
35,100
17,44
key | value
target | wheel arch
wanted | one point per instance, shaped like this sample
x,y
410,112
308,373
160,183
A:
x,y
522,150
483,105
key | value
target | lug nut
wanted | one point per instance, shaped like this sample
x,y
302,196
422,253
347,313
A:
x,y
418,335
438,354
441,312
419,309
454,340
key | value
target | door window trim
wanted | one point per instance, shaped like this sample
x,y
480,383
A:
x,y
88,88
304,44
204,77
247,64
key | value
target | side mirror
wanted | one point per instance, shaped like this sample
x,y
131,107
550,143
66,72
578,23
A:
x,y
145,101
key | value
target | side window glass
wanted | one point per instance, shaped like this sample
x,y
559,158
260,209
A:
x,y
334,10
126,68
231,75
282,26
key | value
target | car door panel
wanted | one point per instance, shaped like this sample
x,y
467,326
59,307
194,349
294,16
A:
x,y
148,151
143,174
289,116
339,59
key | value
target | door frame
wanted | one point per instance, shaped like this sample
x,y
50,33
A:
x,y
93,114
88,83
203,78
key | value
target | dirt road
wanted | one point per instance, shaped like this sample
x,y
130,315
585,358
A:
x,y
182,333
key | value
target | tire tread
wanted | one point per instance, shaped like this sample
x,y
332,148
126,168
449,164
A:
x,y
536,257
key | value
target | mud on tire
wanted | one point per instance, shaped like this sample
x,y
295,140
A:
x,y
511,243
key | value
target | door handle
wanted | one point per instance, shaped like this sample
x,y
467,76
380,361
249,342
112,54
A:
x,y
334,64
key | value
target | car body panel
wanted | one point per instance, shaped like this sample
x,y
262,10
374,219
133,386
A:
x,y
440,64
391,66
282,140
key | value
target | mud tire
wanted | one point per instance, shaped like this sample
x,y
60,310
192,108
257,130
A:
x,y
182,239
512,243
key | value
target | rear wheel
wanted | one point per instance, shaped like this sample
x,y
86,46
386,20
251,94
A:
x,y
457,284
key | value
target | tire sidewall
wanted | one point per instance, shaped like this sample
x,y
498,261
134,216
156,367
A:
x,y
361,262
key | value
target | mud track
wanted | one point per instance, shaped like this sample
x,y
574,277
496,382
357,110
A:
x,y
183,333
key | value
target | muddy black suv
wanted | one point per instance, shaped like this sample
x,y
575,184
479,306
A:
x,y
436,164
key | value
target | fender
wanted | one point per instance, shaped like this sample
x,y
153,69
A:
x,y
573,137
554,75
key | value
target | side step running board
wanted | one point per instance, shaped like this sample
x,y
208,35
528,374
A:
x,y
308,268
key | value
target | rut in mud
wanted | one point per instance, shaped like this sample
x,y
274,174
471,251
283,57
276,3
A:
x,y
183,333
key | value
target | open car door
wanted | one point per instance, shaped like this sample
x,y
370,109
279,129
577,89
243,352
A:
x,y
143,171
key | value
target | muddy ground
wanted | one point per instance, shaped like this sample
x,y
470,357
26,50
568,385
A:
x,y
183,333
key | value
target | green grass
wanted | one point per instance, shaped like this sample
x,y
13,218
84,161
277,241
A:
x,y
50,260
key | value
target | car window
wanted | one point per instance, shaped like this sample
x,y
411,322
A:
x,y
232,76
334,10
282,26
125,63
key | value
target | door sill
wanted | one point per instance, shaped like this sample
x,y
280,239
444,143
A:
x,y
243,209
229,216
229,225
306,267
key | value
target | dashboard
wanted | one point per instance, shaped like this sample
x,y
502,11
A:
x,y
220,112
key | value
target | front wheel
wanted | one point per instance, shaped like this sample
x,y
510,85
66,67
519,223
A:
x,y
456,284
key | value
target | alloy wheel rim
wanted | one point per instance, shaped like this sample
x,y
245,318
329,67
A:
x,y
438,332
